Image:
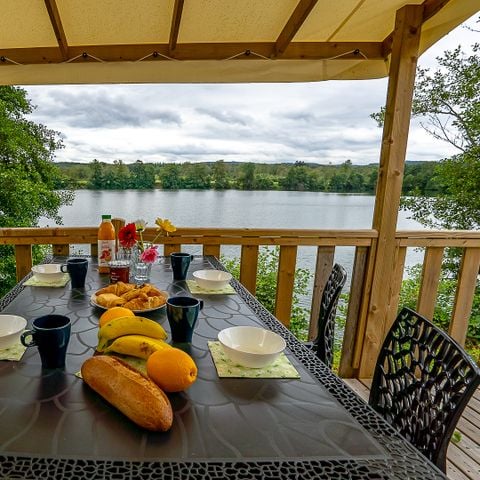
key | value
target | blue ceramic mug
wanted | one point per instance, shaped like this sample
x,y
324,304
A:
x,y
77,269
182,315
51,334
180,262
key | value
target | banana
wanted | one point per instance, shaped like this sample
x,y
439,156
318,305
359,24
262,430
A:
x,y
136,346
128,326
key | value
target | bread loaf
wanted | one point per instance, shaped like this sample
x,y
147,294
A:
x,y
141,400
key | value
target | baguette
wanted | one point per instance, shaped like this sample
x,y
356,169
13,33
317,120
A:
x,y
137,397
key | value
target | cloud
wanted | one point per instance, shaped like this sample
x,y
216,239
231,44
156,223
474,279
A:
x,y
324,122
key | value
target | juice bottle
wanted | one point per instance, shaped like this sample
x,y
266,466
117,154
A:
x,y
106,244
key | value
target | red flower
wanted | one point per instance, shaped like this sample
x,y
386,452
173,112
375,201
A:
x,y
127,236
150,255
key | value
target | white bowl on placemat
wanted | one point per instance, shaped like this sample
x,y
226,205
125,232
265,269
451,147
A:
x,y
48,272
11,326
212,279
251,347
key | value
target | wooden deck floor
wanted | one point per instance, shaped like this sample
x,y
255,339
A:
x,y
463,456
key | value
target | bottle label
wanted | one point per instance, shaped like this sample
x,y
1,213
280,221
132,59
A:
x,y
106,252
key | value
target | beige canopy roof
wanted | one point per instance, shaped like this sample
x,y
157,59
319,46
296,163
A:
x,y
137,41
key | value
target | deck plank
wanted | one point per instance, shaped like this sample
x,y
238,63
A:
x,y
463,457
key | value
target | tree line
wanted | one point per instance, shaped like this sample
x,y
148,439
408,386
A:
x,y
419,178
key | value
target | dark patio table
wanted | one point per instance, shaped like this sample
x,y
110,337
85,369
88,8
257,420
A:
x,y
54,426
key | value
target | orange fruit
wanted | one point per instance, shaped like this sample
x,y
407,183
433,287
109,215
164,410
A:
x,y
113,313
172,369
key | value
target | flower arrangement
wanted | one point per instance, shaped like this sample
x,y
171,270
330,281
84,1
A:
x,y
132,234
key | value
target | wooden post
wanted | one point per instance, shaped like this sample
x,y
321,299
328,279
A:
x,y
403,64
432,268
248,267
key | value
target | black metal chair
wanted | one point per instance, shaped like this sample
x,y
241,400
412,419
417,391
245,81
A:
x,y
323,343
422,382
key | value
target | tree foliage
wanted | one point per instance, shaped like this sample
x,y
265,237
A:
x,y
28,176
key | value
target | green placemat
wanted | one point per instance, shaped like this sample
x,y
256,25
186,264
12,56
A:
x,y
13,353
35,282
281,368
194,288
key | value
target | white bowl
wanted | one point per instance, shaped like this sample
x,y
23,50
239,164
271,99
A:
x,y
251,346
48,272
11,326
212,279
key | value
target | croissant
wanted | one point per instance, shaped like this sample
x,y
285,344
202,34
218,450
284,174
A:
x,y
123,288
107,289
136,304
154,302
110,300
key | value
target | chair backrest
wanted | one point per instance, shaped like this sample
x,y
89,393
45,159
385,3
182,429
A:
x,y
323,344
422,382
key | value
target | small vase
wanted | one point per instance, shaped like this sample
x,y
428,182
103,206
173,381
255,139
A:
x,y
142,272
139,271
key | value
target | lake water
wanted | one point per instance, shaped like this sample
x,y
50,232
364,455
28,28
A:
x,y
236,209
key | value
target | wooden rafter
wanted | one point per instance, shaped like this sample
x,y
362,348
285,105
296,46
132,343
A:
x,y
296,20
174,29
56,22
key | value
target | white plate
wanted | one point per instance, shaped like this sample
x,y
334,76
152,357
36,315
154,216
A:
x,y
93,301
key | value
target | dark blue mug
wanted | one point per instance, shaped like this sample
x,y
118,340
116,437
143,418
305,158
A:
x,y
77,269
182,315
51,334
180,262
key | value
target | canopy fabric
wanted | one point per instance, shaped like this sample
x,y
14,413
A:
x,y
202,41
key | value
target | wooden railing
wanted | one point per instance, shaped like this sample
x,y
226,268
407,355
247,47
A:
x,y
249,240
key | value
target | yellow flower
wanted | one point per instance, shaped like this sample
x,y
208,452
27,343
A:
x,y
164,225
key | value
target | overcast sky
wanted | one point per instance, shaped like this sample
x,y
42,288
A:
x,y
324,122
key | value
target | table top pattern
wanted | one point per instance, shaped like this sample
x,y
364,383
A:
x,y
54,426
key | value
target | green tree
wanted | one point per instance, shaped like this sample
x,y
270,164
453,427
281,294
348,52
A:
x,y
170,176
247,176
219,175
27,173
97,180
142,176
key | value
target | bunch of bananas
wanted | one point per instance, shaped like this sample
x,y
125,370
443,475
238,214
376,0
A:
x,y
134,336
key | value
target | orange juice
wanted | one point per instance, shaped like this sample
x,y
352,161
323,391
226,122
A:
x,y
106,244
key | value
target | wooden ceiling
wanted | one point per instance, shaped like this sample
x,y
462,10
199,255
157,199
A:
x,y
164,40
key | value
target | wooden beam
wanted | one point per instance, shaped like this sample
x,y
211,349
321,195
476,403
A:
x,y
175,27
56,22
432,7
296,20
195,51
389,186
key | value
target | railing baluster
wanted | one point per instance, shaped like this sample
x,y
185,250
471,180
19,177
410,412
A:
x,y
212,250
61,250
394,294
248,267
23,260
323,268
286,278
432,267
467,283
346,367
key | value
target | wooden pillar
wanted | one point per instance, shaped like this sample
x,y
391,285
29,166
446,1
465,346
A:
x,y
390,177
